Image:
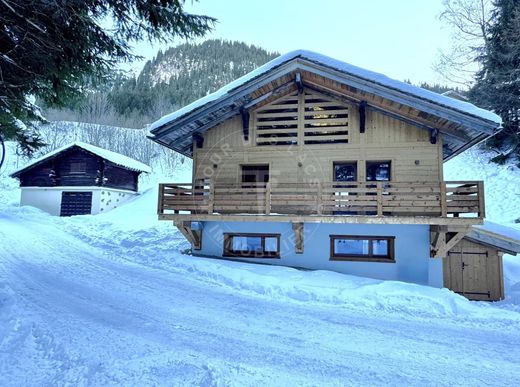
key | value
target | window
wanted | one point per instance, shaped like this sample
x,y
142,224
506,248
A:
x,y
254,174
78,167
345,171
252,245
362,248
378,171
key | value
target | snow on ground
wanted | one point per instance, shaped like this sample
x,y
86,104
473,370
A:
x,y
111,299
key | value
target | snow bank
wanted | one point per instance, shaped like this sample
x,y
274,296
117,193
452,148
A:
x,y
501,183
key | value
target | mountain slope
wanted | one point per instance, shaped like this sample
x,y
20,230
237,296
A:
x,y
182,74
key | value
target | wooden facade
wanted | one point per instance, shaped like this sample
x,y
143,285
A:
x,y
77,167
306,142
224,151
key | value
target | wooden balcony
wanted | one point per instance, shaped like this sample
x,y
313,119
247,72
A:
x,y
450,202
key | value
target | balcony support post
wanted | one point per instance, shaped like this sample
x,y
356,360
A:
x,y
298,237
193,236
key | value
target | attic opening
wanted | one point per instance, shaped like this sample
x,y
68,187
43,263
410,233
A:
x,y
309,117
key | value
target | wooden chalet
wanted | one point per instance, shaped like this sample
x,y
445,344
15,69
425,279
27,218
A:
x,y
79,179
312,162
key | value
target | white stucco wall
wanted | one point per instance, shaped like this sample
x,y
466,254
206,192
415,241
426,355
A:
x,y
412,248
48,199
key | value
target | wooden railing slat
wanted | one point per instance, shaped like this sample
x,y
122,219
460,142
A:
x,y
336,198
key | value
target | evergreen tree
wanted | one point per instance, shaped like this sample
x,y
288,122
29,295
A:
x,y
49,48
498,83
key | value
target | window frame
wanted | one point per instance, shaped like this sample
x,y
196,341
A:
x,y
355,163
370,257
77,171
390,171
228,240
246,184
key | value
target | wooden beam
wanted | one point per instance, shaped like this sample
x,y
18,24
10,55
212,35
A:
x,y
362,116
193,236
443,250
299,83
198,139
440,245
334,219
245,122
434,133
298,237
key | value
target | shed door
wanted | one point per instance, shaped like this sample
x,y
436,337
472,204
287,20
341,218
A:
x,y
474,271
76,203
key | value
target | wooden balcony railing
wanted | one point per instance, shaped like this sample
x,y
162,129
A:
x,y
444,199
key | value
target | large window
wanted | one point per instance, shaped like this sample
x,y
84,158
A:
x,y
252,245
378,171
362,248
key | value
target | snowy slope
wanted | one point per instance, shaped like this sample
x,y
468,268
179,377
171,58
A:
x,y
111,300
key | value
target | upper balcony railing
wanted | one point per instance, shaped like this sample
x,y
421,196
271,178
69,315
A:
x,y
432,199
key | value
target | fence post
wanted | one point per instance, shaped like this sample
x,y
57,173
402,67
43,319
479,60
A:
x,y
481,200
444,204
319,199
211,198
160,201
268,198
379,198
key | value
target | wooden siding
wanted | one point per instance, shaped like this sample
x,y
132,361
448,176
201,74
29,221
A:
x,y
475,271
76,167
408,147
117,177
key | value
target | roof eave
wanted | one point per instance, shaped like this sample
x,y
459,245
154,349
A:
x,y
465,119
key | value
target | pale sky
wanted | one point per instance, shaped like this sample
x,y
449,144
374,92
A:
x,y
399,38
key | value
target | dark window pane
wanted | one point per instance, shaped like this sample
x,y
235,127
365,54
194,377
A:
x,y
255,173
378,171
345,171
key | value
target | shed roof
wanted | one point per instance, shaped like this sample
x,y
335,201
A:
x,y
229,99
503,238
115,158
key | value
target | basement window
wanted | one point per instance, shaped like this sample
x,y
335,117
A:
x,y
252,245
362,248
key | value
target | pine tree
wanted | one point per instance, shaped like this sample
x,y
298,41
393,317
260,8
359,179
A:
x,y
498,83
49,48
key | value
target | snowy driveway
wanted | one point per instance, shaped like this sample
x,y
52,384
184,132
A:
x,y
71,312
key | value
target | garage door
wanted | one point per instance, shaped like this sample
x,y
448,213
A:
x,y
76,203
474,271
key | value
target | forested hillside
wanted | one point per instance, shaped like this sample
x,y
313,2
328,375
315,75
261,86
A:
x,y
171,80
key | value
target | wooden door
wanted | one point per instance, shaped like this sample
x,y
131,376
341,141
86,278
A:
x,y
475,271
76,203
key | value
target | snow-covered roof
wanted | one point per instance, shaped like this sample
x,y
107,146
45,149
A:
x,y
502,237
113,157
377,78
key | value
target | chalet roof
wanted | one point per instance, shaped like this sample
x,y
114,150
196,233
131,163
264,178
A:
x,y
503,238
226,102
113,157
